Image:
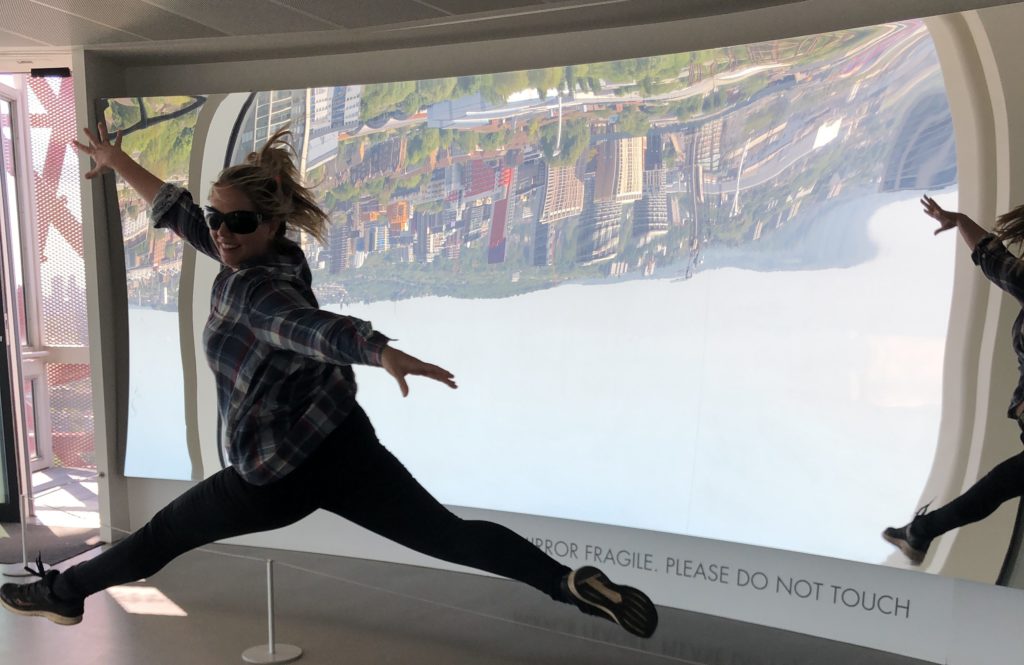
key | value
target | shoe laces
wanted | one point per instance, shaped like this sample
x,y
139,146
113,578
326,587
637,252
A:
x,y
40,570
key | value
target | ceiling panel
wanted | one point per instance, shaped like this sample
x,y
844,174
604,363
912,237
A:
x,y
258,17
474,6
14,40
269,29
365,13
56,28
135,17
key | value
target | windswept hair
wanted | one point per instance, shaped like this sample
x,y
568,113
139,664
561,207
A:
x,y
270,179
1010,227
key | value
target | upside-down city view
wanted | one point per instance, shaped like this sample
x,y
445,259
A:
x,y
602,252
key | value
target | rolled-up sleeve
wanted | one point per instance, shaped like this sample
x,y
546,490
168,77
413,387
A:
x,y
280,316
174,209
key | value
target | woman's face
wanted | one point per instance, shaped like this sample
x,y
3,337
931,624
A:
x,y
237,248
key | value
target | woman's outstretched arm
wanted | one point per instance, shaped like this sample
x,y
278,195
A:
x,y
997,263
172,206
969,229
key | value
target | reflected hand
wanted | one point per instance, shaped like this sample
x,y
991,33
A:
x,y
947,220
399,365
101,149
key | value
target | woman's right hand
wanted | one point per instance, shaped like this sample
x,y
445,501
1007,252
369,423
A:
x,y
947,220
101,149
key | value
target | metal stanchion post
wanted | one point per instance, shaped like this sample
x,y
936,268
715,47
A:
x,y
19,569
271,652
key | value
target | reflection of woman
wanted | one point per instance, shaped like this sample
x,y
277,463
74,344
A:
x,y
1005,481
296,438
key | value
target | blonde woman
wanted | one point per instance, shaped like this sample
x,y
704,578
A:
x,y
297,440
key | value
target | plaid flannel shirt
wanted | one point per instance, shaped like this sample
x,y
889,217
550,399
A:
x,y
1007,272
282,365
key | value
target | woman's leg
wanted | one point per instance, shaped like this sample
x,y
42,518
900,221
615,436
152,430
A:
x,y
369,486
1004,482
222,506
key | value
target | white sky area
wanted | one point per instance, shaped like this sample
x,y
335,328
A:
x,y
61,260
40,136
34,105
796,410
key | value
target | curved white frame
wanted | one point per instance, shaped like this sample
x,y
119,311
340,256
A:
x,y
980,368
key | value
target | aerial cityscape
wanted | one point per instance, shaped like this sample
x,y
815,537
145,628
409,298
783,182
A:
x,y
495,185
611,257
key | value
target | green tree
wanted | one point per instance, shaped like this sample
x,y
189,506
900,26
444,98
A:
x,y
423,144
497,88
575,139
346,191
430,207
433,91
712,101
122,113
533,129
545,79
412,183
495,140
378,98
467,85
467,141
164,148
412,104
633,121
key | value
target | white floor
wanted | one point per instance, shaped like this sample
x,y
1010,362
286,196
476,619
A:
x,y
209,606
66,498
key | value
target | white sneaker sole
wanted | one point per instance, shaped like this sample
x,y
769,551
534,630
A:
x,y
52,616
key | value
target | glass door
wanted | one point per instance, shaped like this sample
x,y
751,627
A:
x,y
15,455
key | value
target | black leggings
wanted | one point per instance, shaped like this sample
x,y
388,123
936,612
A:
x,y
1004,482
351,475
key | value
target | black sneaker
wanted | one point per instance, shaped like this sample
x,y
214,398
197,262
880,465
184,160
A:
x,y
38,599
590,590
914,547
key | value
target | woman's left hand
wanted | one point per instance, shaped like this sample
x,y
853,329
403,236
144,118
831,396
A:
x,y
400,364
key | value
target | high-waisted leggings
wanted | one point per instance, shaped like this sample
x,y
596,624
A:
x,y
352,475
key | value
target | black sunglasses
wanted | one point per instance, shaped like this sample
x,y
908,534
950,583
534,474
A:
x,y
239,221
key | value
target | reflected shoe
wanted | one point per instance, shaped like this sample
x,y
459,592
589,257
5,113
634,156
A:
x,y
38,599
590,590
913,547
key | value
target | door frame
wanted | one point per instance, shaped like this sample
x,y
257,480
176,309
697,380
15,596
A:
x,y
11,499
12,410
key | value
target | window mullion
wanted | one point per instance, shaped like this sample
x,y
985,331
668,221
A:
x,y
29,227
